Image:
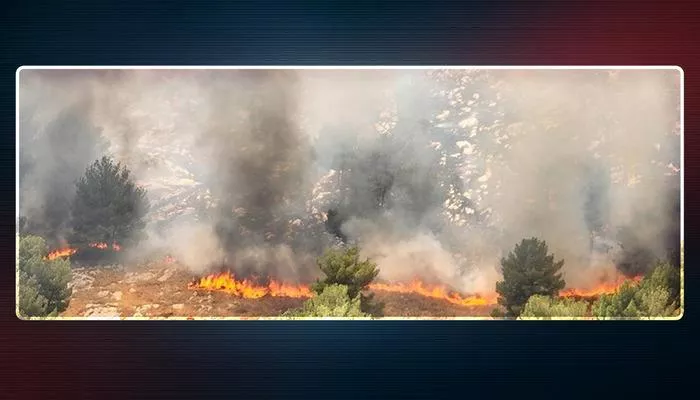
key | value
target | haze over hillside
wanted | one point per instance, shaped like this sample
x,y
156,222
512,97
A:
x,y
434,173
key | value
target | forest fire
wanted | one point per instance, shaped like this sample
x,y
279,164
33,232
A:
x,y
248,289
599,290
105,246
65,252
227,282
436,292
69,251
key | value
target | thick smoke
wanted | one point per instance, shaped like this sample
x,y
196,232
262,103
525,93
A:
x,y
596,169
434,178
57,141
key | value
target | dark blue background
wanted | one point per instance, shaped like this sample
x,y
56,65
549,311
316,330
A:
x,y
381,359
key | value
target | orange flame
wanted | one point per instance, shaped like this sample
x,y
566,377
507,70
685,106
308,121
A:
x,y
435,292
105,246
65,252
245,288
69,251
600,289
226,282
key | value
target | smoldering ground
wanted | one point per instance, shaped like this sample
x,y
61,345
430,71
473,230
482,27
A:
x,y
434,180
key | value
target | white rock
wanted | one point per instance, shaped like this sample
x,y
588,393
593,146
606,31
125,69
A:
x,y
81,281
133,278
168,273
117,296
103,293
142,309
102,311
178,306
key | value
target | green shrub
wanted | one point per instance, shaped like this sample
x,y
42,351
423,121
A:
x,y
333,301
539,306
657,295
43,284
344,267
30,302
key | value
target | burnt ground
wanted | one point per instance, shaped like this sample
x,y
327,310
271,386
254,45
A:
x,y
159,290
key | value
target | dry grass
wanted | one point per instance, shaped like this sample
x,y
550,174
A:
x,y
160,290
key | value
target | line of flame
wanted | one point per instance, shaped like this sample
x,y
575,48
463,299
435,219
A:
x,y
65,252
69,251
599,290
435,292
226,282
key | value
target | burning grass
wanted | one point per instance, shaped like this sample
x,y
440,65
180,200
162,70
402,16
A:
x,y
225,295
600,289
69,251
247,288
435,292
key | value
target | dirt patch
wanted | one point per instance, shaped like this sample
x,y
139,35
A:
x,y
160,290
414,305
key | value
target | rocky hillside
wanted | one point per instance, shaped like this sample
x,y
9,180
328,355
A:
x,y
160,290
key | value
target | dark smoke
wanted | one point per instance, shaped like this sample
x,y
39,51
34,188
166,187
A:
x,y
433,173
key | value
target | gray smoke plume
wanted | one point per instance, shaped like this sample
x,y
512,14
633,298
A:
x,y
57,141
435,174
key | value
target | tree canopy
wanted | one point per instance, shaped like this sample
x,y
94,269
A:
x,y
108,206
528,270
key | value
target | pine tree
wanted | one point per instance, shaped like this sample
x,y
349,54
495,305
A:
x,y
528,270
344,267
108,206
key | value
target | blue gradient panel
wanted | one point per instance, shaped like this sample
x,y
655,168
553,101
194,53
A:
x,y
344,359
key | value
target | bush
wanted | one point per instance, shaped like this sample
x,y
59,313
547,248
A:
x,y
108,206
344,267
527,271
657,295
43,284
30,302
666,276
539,306
332,302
